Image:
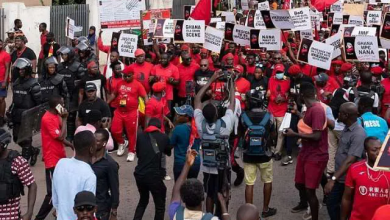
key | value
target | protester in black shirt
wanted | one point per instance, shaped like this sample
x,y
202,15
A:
x,y
22,52
95,77
51,47
258,81
203,75
149,175
106,171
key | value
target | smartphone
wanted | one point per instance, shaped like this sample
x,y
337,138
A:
x,y
60,109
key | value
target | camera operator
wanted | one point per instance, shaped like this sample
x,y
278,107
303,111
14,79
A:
x,y
365,90
214,133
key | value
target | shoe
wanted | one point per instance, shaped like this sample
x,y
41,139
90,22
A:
x,y
299,208
167,178
121,148
269,213
324,200
240,177
307,215
34,156
277,157
287,160
130,157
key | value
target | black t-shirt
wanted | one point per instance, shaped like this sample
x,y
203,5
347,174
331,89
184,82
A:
x,y
256,118
201,78
98,79
149,163
258,84
98,104
46,48
27,53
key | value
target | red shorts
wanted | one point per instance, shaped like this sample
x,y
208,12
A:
x,y
309,172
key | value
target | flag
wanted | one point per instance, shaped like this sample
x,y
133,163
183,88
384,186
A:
x,y
202,11
320,5
216,2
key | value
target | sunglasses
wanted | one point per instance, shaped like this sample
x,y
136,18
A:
x,y
82,208
203,65
277,58
188,59
127,76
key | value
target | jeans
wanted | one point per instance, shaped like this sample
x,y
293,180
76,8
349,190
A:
x,y
156,187
193,173
47,204
333,203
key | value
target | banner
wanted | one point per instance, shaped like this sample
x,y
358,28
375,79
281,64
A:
x,y
189,31
241,35
270,39
127,45
148,26
263,6
120,13
300,18
363,31
69,30
213,39
315,53
374,18
259,22
335,41
277,19
385,29
361,48
164,28
161,4
383,160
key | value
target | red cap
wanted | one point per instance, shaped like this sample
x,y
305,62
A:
x,y
139,52
294,70
162,46
337,62
279,68
204,50
346,67
239,69
185,47
128,70
91,64
158,86
376,70
382,212
229,55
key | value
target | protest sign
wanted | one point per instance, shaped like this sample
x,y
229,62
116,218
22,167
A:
x,y
363,31
345,19
270,39
69,30
315,20
241,35
263,6
353,9
374,18
316,53
277,19
127,45
383,160
187,10
214,20
308,34
229,27
148,25
229,16
300,18
335,18
120,13
337,7
242,21
213,39
361,48
254,39
244,5
259,22
114,41
356,20
385,29
336,28
164,28
220,25
189,31
250,20
161,4
335,41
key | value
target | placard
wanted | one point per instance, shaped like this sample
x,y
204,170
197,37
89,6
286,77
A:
x,y
229,16
250,19
315,20
220,25
214,20
337,7
254,39
335,41
374,17
308,34
127,45
263,6
69,30
259,22
241,35
189,31
244,5
361,48
229,27
277,19
356,20
363,31
383,160
120,13
315,53
385,29
300,18
353,9
213,39
187,11
164,28
270,39
335,18
148,25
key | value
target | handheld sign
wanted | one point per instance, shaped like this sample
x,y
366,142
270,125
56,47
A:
x,y
315,53
213,39
127,45
383,160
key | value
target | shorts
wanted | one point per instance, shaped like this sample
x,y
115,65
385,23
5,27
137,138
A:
x,y
265,169
309,173
3,92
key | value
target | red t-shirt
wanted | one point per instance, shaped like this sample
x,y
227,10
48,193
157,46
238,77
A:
x,y
368,194
386,95
186,74
196,58
242,87
278,87
330,86
315,118
128,93
217,89
157,109
52,149
163,74
236,59
5,58
43,41
309,70
112,85
175,61
142,73
250,70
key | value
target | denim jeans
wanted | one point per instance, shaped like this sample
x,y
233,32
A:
x,y
333,202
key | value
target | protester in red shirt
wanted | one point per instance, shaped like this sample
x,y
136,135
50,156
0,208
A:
x,y
53,134
366,188
251,65
112,83
195,53
142,69
386,96
231,50
242,85
308,70
325,87
113,55
43,30
157,106
187,71
126,115
336,73
5,61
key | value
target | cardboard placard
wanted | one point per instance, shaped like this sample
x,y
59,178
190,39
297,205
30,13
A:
x,y
315,53
127,45
69,30
263,6
353,9
335,41
361,48
374,18
363,31
189,31
337,7
164,28
270,39
213,39
300,18
241,35
385,29
383,160
147,18
277,19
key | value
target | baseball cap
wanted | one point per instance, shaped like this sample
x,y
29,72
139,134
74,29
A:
x,y
322,77
279,68
185,110
90,86
239,68
139,52
84,198
11,31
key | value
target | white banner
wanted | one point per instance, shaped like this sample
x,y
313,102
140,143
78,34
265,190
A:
x,y
337,7
213,39
315,53
270,39
263,6
259,22
120,13
363,31
335,41
69,30
356,20
127,45
164,28
301,18
308,34
366,49
241,35
189,31
374,17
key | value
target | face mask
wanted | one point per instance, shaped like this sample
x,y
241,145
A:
x,y
279,75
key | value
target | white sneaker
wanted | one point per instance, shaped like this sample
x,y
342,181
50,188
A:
x,y
167,178
130,157
122,148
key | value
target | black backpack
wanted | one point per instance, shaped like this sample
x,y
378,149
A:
x,y
255,139
10,184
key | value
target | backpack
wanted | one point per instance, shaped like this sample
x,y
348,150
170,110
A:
x,y
363,94
214,145
255,139
180,214
10,184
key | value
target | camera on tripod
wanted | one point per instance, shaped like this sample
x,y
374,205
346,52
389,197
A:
x,y
215,153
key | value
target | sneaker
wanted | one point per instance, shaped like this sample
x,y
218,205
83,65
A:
x,y
130,157
277,157
269,213
307,215
167,178
240,177
299,208
121,148
287,160
34,156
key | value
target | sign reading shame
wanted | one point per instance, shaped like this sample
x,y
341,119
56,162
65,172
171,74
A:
x,y
127,45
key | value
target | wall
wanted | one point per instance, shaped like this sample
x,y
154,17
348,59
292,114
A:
x,y
30,2
31,18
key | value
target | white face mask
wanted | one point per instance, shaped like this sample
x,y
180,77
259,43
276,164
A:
x,y
279,75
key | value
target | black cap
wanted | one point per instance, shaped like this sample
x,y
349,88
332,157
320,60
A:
x,y
84,198
90,86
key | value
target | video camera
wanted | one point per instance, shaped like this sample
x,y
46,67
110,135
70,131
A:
x,y
226,73
216,153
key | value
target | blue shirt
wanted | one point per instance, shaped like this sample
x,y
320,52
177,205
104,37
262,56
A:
x,y
70,177
374,126
180,140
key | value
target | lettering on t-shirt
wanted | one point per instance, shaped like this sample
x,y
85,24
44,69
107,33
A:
x,y
371,124
377,192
